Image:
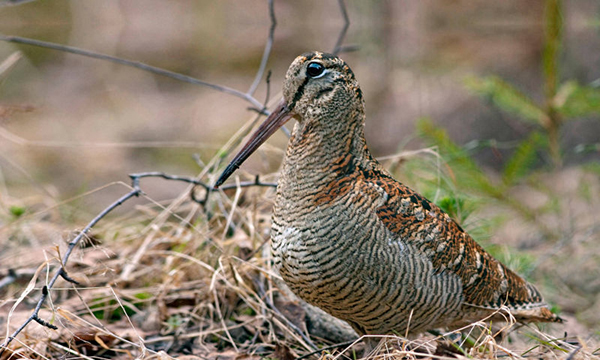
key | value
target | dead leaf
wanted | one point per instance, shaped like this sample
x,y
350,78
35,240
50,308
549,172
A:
x,y
283,352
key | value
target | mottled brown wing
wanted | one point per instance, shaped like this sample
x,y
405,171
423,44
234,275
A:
x,y
486,282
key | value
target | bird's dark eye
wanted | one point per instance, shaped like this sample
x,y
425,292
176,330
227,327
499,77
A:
x,y
315,69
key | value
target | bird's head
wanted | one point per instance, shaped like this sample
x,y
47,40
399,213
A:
x,y
318,87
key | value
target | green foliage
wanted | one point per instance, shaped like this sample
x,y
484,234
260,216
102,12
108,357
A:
x,y
468,178
144,295
109,309
575,101
572,100
563,102
594,168
549,343
17,211
175,321
453,206
464,171
507,98
222,153
179,248
427,176
519,262
523,159
248,311
584,190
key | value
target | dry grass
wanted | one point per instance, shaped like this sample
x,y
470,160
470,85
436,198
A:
x,y
179,279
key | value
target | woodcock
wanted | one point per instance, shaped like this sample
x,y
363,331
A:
x,y
350,239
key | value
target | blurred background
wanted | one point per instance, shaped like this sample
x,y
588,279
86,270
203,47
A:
x,y
89,119
475,69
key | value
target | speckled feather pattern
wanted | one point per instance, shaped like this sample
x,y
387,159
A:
x,y
353,241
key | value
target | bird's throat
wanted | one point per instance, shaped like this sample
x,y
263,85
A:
x,y
314,148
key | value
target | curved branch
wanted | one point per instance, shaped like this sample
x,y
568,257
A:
x,y
135,64
267,52
338,44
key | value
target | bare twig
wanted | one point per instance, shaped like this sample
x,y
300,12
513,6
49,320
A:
x,y
13,2
256,182
267,52
135,178
573,353
260,289
135,64
338,44
268,92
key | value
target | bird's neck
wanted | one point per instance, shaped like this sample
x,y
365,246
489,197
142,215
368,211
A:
x,y
317,146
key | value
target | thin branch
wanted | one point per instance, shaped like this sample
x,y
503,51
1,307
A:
x,y
267,52
256,182
135,64
573,353
208,189
268,93
289,324
244,184
338,44
67,278
13,2
260,290
135,178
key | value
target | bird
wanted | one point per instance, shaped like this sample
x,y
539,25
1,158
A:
x,y
350,239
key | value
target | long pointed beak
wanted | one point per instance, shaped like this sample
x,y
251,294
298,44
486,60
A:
x,y
278,117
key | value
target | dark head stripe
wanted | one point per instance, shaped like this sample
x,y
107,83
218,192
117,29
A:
x,y
308,56
298,94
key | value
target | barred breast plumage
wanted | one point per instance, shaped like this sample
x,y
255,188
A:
x,y
353,241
